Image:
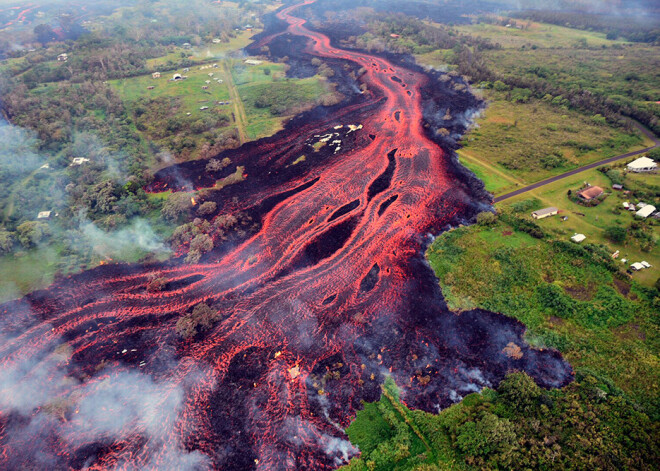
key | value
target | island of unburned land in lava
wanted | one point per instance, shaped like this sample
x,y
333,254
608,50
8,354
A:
x,y
311,312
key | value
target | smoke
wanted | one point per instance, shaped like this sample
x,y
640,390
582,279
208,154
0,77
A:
x,y
17,152
139,234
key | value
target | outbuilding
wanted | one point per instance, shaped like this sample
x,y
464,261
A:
x,y
646,211
544,213
642,165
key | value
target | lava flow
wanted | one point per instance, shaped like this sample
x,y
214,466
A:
x,y
328,297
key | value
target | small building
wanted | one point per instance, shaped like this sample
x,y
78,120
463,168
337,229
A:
x,y
253,62
177,77
645,263
590,193
626,204
78,161
155,75
186,69
62,58
45,166
186,45
215,41
645,212
636,266
211,74
618,187
395,36
577,238
642,165
44,215
204,108
544,213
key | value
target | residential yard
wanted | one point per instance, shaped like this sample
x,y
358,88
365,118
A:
x,y
523,143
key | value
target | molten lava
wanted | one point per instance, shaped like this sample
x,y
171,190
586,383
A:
x,y
315,309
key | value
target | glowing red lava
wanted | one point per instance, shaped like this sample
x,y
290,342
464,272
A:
x,y
330,295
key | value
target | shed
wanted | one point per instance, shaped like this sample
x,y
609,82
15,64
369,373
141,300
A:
x,y
646,211
643,164
155,75
590,193
616,186
578,238
544,213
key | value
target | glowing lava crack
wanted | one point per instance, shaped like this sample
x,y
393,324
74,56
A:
x,y
330,295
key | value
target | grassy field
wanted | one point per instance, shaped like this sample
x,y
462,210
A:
x,y
204,52
540,35
521,143
562,292
241,86
592,221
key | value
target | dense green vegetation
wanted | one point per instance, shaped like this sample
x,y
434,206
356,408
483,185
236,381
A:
x,y
571,297
589,424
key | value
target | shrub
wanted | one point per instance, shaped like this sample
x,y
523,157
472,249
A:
x,y
616,234
486,218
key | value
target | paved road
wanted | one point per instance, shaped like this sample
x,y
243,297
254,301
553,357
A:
x,y
533,186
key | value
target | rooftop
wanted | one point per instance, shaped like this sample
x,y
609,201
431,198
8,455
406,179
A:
x,y
591,192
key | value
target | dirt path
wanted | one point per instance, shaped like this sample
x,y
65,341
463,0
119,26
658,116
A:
x,y
239,110
536,185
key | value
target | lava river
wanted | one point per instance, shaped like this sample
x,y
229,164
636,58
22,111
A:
x,y
317,306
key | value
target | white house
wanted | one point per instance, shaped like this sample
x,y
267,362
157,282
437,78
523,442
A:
x,y
578,238
253,62
643,164
62,58
646,211
637,266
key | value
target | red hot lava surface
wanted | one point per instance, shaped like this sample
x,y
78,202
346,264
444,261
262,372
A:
x,y
329,296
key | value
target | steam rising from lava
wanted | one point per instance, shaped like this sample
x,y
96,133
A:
x,y
328,297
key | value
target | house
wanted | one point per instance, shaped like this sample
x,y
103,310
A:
x,y
616,186
253,62
62,58
646,211
641,165
210,74
176,77
626,204
578,238
645,263
78,161
544,213
45,166
637,266
204,108
186,45
155,75
44,215
590,193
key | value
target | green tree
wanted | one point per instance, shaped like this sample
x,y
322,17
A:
x,y
6,241
616,234
177,207
30,233
520,392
